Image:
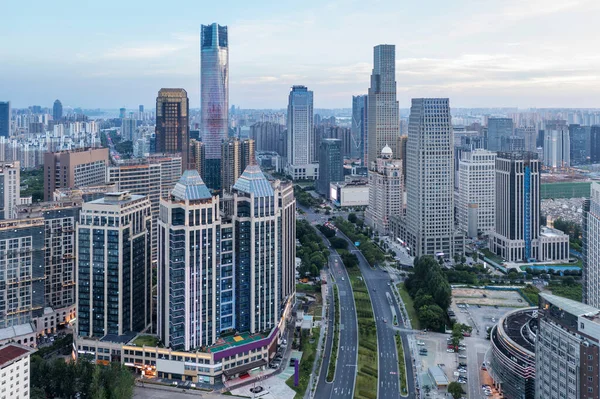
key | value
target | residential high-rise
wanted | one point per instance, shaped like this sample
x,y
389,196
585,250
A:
x,y
114,266
141,110
196,157
57,111
76,168
242,265
4,119
10,189
22,271
567,349
477,192
236,155
430,179
580,144
499,130
518,236
172,123
334,132
529,135
383,120
331,165
128,129
360,112
154,177
557,145
301,157
214,97
386,191
270,137
595,144
193,285
591,248
59,218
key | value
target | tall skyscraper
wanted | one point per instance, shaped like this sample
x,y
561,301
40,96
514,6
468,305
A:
x,y
499,130
477,192
57,111
77,168
331,165
4,119
591,248
122,112
22,272
269,136
567,349
141,110
128,129
214,97
430,179
10,189
196,158
595,144
360,112
557,145
172,123
301,157
529,135
580,144
386,191
383,120
518,236
114,266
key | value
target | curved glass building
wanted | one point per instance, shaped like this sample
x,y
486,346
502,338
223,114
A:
x,y
512,363
214,98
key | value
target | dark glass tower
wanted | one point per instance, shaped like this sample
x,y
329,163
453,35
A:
x,y
214,98
57,111
4,119
331,164
172,126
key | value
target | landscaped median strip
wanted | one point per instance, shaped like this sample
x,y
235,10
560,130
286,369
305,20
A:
x,y
401,365
336,337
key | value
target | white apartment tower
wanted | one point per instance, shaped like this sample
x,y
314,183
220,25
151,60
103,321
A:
x,y
301,157
429,223
557,145
383,120
477,192
386,191
10,189
591,248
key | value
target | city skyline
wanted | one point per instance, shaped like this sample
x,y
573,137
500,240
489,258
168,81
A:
x,y
440,53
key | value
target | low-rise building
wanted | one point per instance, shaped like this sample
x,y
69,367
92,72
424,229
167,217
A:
x,y
14,371
352,193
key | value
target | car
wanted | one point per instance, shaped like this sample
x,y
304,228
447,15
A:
x,y
450,350
462,356
478,305
343,279
374,290
496,306
256,389
385,321
420,343
462,364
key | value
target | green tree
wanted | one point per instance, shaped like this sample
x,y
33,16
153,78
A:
x,y
431,316
352,218
455,389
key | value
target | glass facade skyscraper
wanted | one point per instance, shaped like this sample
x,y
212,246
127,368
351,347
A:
x,y
331,164
214,97
172,123
498,133
4,119
359,127
57,110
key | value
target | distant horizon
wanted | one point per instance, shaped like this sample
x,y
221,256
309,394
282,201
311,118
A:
x,y
534,54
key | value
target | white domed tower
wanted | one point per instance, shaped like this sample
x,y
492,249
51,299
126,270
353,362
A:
x,y
386,152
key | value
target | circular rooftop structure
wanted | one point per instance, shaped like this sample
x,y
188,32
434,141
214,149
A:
x,y
386,152
513,353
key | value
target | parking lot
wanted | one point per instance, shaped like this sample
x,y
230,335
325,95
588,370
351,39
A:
x,y
474,296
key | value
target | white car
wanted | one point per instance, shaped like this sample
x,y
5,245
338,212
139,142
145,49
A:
x,y
450,350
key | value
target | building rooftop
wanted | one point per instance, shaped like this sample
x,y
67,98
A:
x,y
438,375
253,181
235,340
15,331
550,232
117,198
191,187
573,307
13,352
514,325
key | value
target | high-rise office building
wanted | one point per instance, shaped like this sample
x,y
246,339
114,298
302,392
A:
x,y
383,120
60,218
557,145
429,225
269,137
4,119
10,189
386,191
128,129
499,130
122,112
172,123
301,157
236,155
518,236
331,165
567,349
154,177
529,135
214,97
580,144
141,110
595,144
77,168
22,271
57,111
245,260
196,159
190,314
360,112
477,192
334,132
114,266
591,247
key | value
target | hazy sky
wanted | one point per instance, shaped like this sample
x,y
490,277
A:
x,y
109,53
